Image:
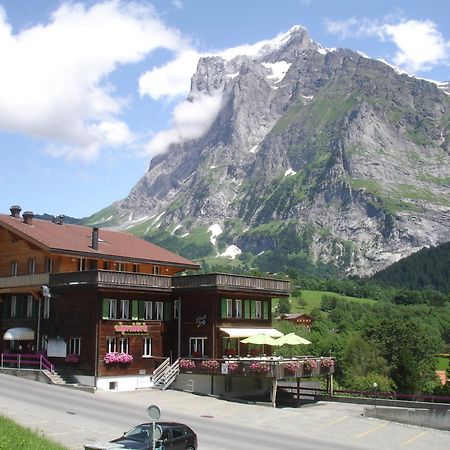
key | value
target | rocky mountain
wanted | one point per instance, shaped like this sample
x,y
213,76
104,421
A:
x,y
318,160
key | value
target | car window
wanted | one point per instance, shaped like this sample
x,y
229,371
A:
x,y
177,432
139,433
165,435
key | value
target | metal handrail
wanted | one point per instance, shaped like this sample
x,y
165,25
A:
x,y
26,359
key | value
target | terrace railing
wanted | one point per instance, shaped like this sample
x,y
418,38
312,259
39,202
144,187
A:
x,y
232,281
35,279
109,278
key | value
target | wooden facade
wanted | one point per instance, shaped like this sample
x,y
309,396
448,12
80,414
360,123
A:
x,y
95,304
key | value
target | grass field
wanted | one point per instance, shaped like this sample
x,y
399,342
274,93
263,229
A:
x,y
13,436
311,299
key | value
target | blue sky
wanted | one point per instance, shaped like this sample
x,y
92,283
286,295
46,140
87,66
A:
x,y
90,90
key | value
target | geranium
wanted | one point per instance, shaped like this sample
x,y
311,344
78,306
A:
x,y
259,367
327,363
234,367
210,365
118,358
71,358
197,354
291,367
230,352
186,364
309,364
254,352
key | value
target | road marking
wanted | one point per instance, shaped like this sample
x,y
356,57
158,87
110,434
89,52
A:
x,y
330,423
379,427
413,439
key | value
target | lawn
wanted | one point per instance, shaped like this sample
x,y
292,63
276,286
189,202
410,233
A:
x,y
310,300
13,436
442,363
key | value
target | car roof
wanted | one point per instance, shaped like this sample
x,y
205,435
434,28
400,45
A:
x,y
167,424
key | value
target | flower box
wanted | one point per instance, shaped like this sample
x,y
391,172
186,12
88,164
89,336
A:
x,y
291,368
210,365
186,364
259,368
118,358
308,366
326,365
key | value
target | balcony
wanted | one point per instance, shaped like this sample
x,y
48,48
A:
x,y
111,279
230,282
19,281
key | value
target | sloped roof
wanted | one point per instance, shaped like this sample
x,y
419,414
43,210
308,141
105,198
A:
x,y
76,239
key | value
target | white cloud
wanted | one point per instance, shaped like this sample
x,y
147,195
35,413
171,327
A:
x,y
420,45
191,119
178,4
53,81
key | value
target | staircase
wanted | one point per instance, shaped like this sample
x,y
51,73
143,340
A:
x,y
165,374
61,376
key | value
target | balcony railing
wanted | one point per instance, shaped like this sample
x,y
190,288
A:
x,y
34,279
232,281
107,278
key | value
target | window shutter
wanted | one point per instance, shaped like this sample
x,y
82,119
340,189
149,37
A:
x,y
106,308
167,311
246,309
6,307
265,310
134,310
34,309
252,309
223,308
141,310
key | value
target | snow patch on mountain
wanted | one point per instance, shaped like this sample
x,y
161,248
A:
x,y
232,251
215,231
278,69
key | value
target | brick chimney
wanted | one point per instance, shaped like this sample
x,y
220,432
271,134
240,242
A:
x,y
95,238
28,217
15,211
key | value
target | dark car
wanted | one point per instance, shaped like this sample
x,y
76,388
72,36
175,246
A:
x,y
174,436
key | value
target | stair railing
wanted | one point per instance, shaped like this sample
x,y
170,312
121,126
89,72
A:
x,y
158,373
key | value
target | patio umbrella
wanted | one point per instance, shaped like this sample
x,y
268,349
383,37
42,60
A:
x,y
261,339
291,339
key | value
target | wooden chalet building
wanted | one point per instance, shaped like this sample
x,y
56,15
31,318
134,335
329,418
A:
x,y
76,294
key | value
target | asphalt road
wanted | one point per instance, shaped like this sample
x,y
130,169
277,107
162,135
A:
x,y
74,417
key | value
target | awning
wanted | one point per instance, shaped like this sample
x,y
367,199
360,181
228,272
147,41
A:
x,y
246,332
19,334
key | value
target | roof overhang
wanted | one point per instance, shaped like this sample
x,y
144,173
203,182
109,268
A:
x,y
19,334
236,332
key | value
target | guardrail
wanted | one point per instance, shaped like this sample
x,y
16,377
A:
x,y
35,279
22,361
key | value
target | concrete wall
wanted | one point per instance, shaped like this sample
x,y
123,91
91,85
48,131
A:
x,y
125,383
437,418
216,385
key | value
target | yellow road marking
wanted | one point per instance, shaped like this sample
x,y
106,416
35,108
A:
x,y
379,427
330,423
413,439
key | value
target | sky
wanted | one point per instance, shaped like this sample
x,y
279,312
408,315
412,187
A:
x,y
91,90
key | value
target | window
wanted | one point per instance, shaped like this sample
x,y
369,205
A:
x,y
148,310
156,270
30,306
112,308
13,310
135,268
13,268
123,345
158,311
229,307
46,314
49,265
111,345
238,306
147,351
124,309
31,266
44,342
176,309
82,264
106,265
120,266
258,314
197,346
75,346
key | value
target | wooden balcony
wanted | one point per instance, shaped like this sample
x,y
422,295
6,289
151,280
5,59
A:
x,y
230,282
20,281
111,279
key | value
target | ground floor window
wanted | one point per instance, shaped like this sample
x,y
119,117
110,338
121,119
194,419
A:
x,y
147,351
75,346
197,346
123,345
230,346
111,345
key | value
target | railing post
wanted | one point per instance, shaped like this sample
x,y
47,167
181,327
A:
x,y
40,362
2,361
18,361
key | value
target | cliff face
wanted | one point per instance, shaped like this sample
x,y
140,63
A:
x,y
316,157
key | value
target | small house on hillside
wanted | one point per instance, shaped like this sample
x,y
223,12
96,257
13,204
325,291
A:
x,y
304,320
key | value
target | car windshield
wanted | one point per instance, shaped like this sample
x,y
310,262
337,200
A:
x,y
141,433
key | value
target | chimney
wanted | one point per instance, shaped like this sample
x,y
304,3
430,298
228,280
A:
x,y
28,217
15,211
95,238
59,220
